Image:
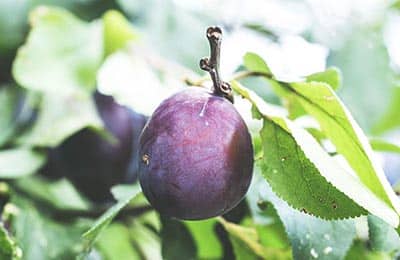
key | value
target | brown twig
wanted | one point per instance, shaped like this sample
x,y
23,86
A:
x,y
211,64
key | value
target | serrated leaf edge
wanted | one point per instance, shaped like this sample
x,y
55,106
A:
x,y
362,143
389,215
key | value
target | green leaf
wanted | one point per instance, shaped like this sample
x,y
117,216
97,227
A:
x,y
117,32
246,244
12,24
207,243
61,54
19,162
321,182
255,63
384,146
391,118
316,133
268,224
68,52
263,30
125,196
60,116
177,242
115,244
60,194
122,192
310,237
295,109
307,190
14,18
360,251
8,247
331,76
145,239
382,236
41,237
320,101
395,4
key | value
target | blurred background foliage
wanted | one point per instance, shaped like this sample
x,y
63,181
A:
x,y
359,38
45,97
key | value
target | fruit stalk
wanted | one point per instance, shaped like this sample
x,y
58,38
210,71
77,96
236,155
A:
x,y
211,65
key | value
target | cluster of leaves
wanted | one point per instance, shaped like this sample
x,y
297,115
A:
x,y
40,112
306,200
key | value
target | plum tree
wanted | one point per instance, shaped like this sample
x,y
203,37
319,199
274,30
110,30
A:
x,y
94,164
196,151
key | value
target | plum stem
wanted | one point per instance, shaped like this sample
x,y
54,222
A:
x,y
211,65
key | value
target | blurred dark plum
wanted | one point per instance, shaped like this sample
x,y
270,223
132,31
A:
x,y
54,168
196,156
94,164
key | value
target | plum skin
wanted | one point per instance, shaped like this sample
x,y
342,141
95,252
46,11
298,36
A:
x,y
196,156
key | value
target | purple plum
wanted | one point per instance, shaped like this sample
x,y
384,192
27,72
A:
x,y
196,156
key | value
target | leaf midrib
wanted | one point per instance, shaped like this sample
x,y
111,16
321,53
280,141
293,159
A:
x,y
358,144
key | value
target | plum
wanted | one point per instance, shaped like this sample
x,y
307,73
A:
x,y
197,156
94,164
196,151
